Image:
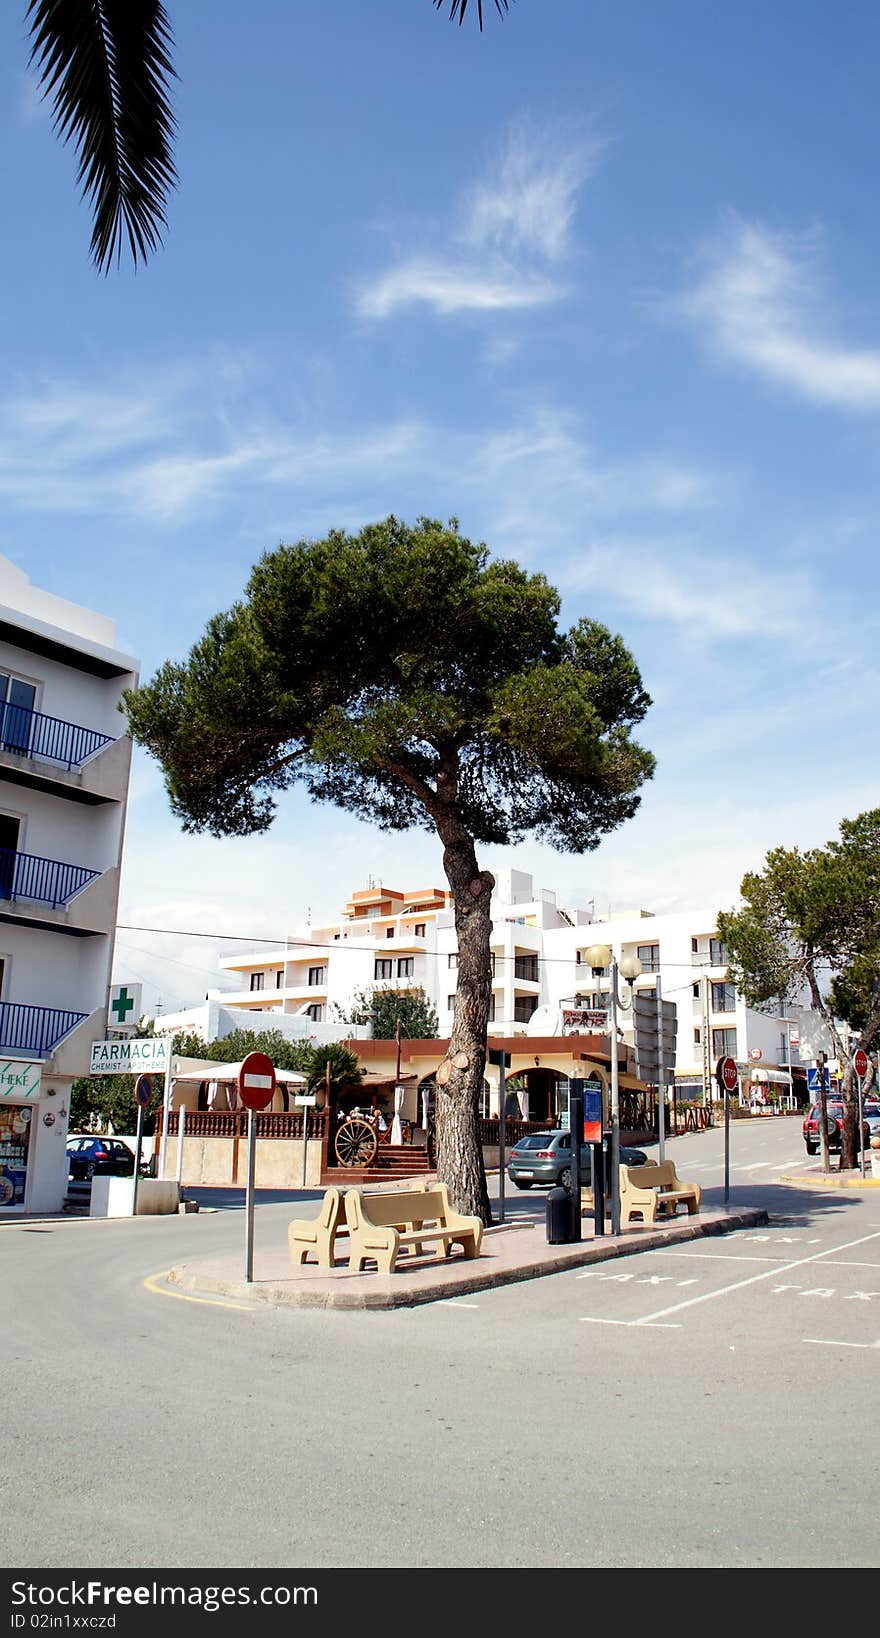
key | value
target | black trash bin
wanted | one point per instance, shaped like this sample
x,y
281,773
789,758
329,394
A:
x,y
558,1217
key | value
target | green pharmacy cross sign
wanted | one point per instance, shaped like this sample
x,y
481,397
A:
x,y
125,1005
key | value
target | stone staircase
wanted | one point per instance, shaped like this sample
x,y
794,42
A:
x,y
392,1165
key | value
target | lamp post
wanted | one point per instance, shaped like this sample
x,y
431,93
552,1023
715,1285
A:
x,y
601,956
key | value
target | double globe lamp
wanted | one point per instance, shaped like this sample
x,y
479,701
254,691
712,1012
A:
x,y
600,957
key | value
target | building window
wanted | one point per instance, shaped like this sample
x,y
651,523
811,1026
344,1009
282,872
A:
x,y
523,1007
698,1036
724,998
724,1043
18,701
649,956
315,1011
405,966
491,1009
382,968
453,959
389,932
526,966
697,991
421,929
717,952
279,980
257,980
450,1002
317,975
695,946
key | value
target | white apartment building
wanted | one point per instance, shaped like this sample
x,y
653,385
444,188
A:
x,y
542,982
64,770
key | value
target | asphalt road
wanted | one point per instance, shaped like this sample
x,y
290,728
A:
x,y
695,1406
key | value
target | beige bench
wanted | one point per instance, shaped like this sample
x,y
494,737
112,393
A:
x,y
380,1226
319,1234
655,1190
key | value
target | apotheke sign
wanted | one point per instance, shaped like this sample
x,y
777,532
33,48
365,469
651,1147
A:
x,y
19,1080
132,1057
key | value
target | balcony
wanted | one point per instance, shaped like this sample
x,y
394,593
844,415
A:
x,y
35,1032
62,758
41,881
48,739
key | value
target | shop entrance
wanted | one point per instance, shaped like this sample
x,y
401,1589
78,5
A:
x,y
15,1130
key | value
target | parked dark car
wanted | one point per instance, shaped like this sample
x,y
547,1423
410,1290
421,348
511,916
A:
x,y
87,1156
544,1159
834,1109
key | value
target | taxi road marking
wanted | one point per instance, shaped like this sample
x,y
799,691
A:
x,y
661,1314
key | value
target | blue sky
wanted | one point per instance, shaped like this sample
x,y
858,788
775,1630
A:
x,y
601,282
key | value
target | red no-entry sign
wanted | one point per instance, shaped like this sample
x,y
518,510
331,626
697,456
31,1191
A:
x,y
860,1062
727,1074
256,1081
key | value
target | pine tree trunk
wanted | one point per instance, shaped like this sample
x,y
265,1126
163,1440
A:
x,y
460,1076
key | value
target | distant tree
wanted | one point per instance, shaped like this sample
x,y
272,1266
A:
x,y
285,1054
107,65
813,916
382,1007
404,676
345,1071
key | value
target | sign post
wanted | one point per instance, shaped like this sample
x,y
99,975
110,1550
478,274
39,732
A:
x,y
576,1105
256,1088
305,1102
727,1076
860,1066
143,1091
502,1061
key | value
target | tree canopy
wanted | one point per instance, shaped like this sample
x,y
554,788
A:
x,y
405,676
402,675
811,920
383,1008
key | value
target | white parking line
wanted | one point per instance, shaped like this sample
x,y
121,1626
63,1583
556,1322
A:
x,y
738,1285
828,1342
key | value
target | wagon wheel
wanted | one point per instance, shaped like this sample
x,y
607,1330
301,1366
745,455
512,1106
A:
x,y
356,1142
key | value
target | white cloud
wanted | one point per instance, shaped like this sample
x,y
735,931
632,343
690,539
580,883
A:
x,y
710,597
514,222
758,303
449,288
528,202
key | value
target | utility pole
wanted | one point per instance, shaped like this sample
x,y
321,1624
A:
x,y
707,1039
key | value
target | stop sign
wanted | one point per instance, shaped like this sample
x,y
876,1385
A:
x,y
728,1074
256,1081
860,1062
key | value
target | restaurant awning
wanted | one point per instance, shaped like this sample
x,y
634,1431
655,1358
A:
x,y
231,1072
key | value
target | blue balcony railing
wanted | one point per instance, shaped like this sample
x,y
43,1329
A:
x,y
45,881
49,739
36,1030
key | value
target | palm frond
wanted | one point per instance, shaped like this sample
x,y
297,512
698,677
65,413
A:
x,y
107,64
457,8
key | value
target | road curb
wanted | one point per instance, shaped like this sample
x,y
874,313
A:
x,y
467,1279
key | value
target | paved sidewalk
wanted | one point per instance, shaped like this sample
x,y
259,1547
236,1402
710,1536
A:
x,y
511,1251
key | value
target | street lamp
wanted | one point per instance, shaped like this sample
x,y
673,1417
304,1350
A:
x,y
599,957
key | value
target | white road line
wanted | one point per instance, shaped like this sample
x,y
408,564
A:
x,y
828,1342
587,1319
455,1302
718,1256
